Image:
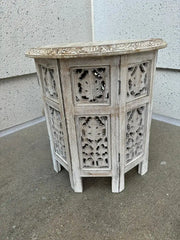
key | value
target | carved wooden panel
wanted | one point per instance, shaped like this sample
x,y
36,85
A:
x,y
135,133
138,80
49,83
90,84
93,141
57,132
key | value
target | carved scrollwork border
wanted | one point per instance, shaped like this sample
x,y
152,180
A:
x,y
96,49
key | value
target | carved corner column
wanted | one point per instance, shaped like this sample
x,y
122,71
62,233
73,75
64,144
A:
x,y
50,82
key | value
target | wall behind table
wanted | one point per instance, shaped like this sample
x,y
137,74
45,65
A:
x,y
137,19
20,100
27,24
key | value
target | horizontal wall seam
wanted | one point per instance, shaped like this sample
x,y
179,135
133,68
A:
x,y
21,126
18,76
168,69
166,119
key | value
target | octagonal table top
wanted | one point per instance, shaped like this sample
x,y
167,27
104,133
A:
x,y
92,49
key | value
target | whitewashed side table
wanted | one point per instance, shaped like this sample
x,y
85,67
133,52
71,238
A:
x,y
98,105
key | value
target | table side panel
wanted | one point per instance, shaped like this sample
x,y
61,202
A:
x,y
49,76
138,75
91,104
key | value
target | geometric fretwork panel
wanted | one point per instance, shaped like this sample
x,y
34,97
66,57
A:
x,y
135,133
138,80
49,83
91,85
93,138
57,132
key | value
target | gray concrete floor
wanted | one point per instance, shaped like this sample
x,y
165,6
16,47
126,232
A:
x,y
37,203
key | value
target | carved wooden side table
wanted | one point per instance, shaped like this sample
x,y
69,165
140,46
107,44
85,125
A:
x,y
98,104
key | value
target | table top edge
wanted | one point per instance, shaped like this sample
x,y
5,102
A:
x,y
92,49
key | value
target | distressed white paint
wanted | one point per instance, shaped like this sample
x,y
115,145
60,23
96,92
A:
x,y
93,49
98,107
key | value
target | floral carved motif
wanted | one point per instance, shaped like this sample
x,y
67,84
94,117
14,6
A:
x,y
57,132
91,85
49,82
138,80
135,133
94,141
114,48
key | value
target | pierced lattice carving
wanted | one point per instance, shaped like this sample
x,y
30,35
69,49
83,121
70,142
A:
x,y
49,82
138,80
135,133
91,85
57,132
94,141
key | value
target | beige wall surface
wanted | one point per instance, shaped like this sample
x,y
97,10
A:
x,y
25,24
20,100
137,19
166,99
34,23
